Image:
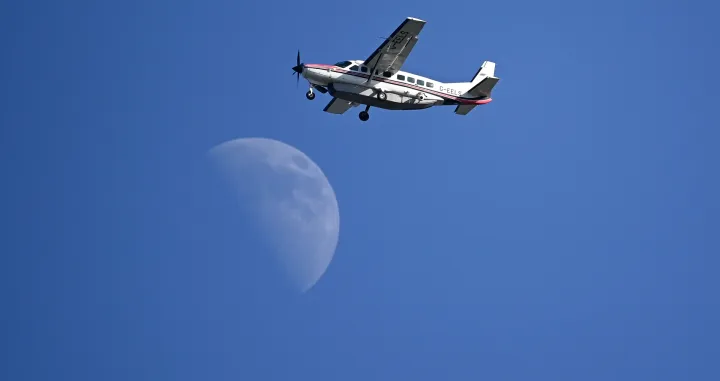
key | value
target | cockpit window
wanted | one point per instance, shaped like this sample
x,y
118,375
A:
x,y
343,64
355,68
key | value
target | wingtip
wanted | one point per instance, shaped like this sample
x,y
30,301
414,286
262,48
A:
x,y
416,19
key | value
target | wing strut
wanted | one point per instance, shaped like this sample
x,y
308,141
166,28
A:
x,y
372,72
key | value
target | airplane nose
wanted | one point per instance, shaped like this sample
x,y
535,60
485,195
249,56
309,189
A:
x,y
298,69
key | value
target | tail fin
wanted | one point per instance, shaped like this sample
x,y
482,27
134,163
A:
x,y
486,70
480,87
483,81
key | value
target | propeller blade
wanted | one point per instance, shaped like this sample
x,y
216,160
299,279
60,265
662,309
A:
x,y
298,68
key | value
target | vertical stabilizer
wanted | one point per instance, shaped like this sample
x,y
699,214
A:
x,y
486,70
479,89
483,81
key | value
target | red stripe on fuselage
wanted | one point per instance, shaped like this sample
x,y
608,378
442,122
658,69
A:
x,y
319,66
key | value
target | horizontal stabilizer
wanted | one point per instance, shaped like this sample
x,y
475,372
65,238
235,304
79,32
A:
x,y
464,109
484,87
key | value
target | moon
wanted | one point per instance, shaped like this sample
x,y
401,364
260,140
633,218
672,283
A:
x,y
291,201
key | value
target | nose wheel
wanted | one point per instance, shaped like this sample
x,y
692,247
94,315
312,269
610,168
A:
x,y
310,95
364,115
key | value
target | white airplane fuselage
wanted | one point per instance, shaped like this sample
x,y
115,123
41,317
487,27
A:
x,y
352,82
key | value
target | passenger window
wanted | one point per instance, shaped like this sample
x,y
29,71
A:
x,y
401,77
430,84
411,79
354,67
387,74
421,82
363,69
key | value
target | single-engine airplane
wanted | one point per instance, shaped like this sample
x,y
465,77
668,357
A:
x,y
378,81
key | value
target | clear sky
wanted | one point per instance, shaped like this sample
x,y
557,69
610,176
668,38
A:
x,y
566,231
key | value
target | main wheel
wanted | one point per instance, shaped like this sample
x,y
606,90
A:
x,y
364,116
382,96
310,95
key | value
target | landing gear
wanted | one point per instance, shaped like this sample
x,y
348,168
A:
x,y
381,95
364,115
310,95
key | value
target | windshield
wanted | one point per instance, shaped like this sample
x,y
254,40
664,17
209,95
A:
x,y
343,64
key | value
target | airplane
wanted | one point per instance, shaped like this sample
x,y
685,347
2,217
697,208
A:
x,y
378,81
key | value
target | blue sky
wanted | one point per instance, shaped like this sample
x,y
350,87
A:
x,y
567,230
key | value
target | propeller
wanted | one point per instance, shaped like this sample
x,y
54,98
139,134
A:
x,y
298,68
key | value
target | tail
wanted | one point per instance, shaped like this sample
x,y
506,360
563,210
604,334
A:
x,y
480,87
486,70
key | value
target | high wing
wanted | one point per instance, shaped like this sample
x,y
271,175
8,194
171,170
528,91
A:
x,y
392,53
337,106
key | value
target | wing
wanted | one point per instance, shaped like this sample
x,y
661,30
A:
x,y
337,106
391,54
